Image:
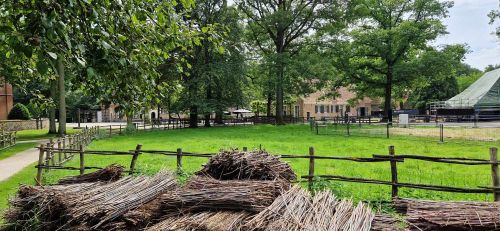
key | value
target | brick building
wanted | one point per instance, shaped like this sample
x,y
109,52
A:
x,y
318,106
6,99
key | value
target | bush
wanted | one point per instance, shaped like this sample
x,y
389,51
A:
x,y
19,112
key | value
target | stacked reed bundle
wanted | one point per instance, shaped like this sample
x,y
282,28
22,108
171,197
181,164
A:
x,y
212,221
110,173
43,208
203,193
296,210
384,222
433,215
85,206
256,165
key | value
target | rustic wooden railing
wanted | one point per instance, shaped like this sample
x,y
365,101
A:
x,y
47,153
7,139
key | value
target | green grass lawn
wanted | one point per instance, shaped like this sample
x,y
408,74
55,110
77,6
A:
x,y
40,134
296,139
10,151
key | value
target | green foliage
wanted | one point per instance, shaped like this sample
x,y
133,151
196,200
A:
x,y
258,107
35,110
434,75
376,47
19,112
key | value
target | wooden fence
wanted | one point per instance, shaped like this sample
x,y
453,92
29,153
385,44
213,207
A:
x,y
46,154
7,139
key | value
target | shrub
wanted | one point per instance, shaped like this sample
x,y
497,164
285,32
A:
x,y
19,112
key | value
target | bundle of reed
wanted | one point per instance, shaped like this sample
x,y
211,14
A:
x,y
110,173
212,221
112,200
295,210
84,206
434,215
200,182
222,195
257,165
43,208
384,222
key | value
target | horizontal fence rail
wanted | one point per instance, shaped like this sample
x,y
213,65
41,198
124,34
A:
x,y
47,155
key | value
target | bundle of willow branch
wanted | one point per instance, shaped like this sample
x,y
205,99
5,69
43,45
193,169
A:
x,y
43,208
434,215
257,165
112,200
203,193
84,206
110,173
213,221
296,210
383,222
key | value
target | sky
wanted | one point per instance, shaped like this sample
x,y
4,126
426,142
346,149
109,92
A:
x,y
468,23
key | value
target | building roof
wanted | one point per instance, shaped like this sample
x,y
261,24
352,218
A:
x,y
485,92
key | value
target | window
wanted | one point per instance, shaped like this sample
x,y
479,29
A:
x,y
337,109
348,108
331,108
327,108
297,111
316,109
322,108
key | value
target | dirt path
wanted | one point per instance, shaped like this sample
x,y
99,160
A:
x,y
12,165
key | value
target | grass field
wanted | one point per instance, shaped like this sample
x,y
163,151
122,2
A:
x,y
40,134
19,147
296,139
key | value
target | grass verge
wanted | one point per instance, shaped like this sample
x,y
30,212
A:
x,y
19,147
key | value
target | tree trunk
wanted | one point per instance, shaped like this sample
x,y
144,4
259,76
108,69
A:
x,y
209,97
130,115
62,95
279,95
193,117
388,97
52,109
269,104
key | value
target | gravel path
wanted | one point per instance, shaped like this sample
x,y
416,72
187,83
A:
x,y
12,165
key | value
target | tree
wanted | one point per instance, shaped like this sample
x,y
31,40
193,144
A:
x,y
278,28
435,75
383,38
495,15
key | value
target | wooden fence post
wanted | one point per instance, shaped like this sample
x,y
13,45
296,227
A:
x,y
134,158
52,144
59,152
310,179
494,173
179,159
82,160
441,133
120,129
64,147
40,163
110,130
317,131
348,132
394,172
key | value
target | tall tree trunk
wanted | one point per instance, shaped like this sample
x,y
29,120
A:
x,y
130,115
62,96
52,109
269,104
388,96
279,95
219,111
209,97
193,116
